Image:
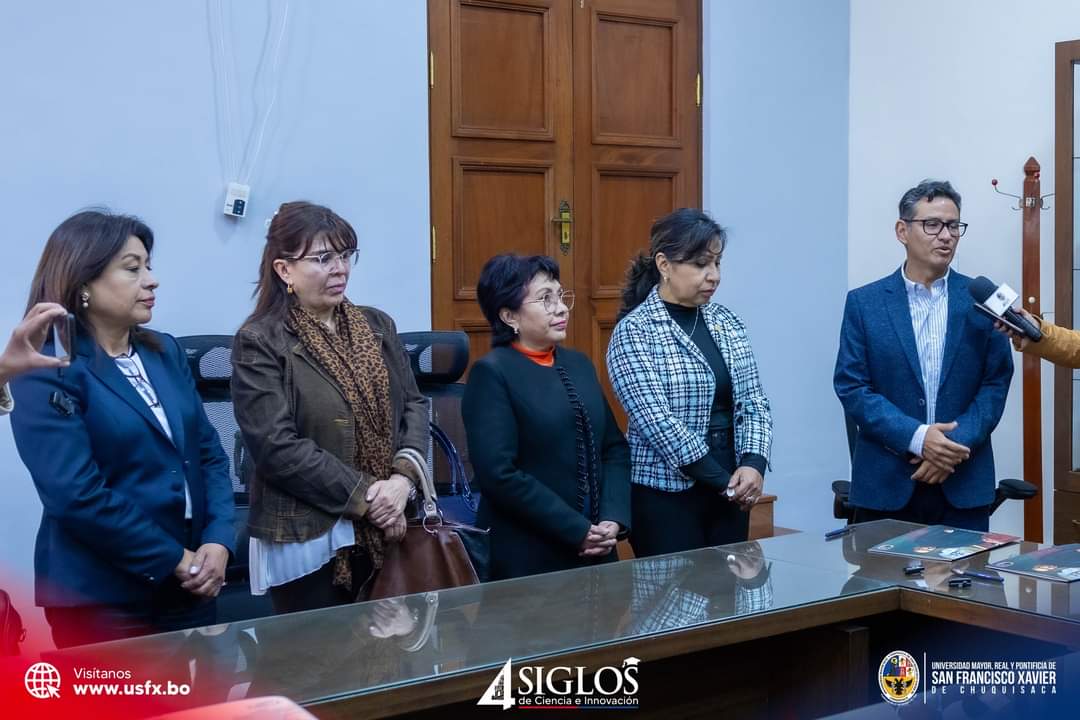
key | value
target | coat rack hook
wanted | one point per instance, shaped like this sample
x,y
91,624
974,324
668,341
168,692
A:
x,y
1019,199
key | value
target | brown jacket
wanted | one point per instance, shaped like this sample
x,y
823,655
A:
x,y
298,428
1059,345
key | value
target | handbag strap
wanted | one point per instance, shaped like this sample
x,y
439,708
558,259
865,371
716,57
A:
x,y
443,442
430,506
457,467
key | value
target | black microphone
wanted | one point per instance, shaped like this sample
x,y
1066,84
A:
x,y
997,300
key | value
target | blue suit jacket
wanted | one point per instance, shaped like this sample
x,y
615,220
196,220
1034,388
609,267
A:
x,y
879,382
111,481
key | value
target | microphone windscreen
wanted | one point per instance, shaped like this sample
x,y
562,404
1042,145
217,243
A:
x,y
981,288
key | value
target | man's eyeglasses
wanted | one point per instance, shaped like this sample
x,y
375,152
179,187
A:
x,y
551,300
327,259
932,226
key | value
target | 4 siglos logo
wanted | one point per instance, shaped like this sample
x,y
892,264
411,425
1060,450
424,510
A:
x,y
564,686
499,691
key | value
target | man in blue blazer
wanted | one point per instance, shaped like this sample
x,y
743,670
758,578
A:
x,y
924,376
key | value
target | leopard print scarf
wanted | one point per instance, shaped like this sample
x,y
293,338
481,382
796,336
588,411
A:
x,y
353,359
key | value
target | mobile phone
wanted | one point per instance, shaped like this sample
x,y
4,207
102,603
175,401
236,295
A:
x,y
990,314
63,335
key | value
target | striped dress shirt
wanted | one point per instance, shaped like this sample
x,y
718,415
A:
x,y
929,320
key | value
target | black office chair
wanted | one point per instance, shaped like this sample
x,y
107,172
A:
x,y
210,360
1007,489
438,360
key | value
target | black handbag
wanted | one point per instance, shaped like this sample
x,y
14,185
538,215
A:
x,y
459,503
459,507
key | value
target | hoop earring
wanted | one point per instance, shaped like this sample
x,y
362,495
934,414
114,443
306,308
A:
x,y
85,297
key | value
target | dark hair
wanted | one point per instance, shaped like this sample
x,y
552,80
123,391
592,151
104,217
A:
x,y
682,236
926,190
77,253
293,230
504,280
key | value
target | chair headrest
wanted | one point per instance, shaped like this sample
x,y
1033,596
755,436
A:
x,y
210,358
437,357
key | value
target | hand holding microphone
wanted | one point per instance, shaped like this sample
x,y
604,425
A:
x,y
1019,341
996,301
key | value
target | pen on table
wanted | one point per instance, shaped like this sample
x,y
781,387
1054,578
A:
x,y
839,532
978,575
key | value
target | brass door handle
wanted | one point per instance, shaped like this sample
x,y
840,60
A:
x,y
564,221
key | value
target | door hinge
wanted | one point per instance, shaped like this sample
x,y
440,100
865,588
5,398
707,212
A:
x,y
434,246
431,68
699,89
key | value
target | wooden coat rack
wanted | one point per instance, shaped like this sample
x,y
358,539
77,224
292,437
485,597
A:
x,y
1031,203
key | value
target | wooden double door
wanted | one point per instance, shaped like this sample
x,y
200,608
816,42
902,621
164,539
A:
x,y
549,110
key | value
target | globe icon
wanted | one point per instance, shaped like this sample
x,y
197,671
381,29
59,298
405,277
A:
x,y
42,681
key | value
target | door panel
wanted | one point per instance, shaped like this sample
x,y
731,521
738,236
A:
x,y
635,108
503,61
626,202
497,202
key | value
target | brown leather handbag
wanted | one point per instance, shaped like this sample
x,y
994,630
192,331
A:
x,y
431,556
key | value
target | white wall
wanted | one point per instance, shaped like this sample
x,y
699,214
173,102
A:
x,y
962,90
114,103
775,158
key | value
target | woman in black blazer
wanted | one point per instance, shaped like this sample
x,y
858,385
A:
x,y
552,465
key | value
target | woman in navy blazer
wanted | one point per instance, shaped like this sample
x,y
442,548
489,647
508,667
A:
x,y
137,519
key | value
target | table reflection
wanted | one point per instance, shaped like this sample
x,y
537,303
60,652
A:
x,y
361,648
850,554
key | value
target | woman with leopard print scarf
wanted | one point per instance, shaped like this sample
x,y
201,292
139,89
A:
x,y
326,400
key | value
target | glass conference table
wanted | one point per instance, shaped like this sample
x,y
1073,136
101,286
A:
x,y
826,602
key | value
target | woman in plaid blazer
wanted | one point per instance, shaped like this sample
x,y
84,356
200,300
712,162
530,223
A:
x,y
700,429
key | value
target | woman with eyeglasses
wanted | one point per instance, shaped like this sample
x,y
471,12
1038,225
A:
x,y
700,428
552,465
330,412
137,505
